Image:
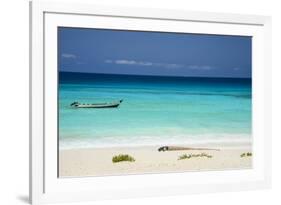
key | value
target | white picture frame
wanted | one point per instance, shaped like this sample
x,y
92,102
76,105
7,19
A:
x,y
46,187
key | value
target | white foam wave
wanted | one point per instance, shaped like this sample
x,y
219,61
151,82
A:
x,y
216,140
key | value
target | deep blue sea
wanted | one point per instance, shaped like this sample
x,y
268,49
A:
x,y
155,110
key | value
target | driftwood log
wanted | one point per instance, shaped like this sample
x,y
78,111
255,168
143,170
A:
x,y
177,148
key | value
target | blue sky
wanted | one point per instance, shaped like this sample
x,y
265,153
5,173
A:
x,y
153,53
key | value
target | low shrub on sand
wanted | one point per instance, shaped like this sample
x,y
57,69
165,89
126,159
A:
x,y
122,158
189,156
246,154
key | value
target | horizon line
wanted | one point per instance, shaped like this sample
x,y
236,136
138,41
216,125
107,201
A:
x,y
182,76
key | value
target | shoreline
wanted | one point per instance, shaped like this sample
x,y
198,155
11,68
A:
x,y
148,160
223,144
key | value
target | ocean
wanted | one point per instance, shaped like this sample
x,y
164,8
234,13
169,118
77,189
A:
x,y
156,110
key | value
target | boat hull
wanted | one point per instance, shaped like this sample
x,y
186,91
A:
x,y
96,105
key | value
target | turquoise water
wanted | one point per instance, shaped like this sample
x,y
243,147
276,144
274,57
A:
x,y
155,111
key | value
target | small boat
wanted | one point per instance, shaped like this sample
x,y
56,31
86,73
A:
x,y
96,105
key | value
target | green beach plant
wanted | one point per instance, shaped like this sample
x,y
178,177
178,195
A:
x,y
249,154
184,156
189,156
122,158
246,154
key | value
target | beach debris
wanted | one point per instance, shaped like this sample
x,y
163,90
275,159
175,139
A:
x,y
122,158
188,156
246,154
177,148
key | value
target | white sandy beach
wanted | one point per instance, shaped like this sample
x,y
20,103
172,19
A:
x,y
98,161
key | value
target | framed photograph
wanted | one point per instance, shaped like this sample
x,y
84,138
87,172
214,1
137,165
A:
x,y
129,102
